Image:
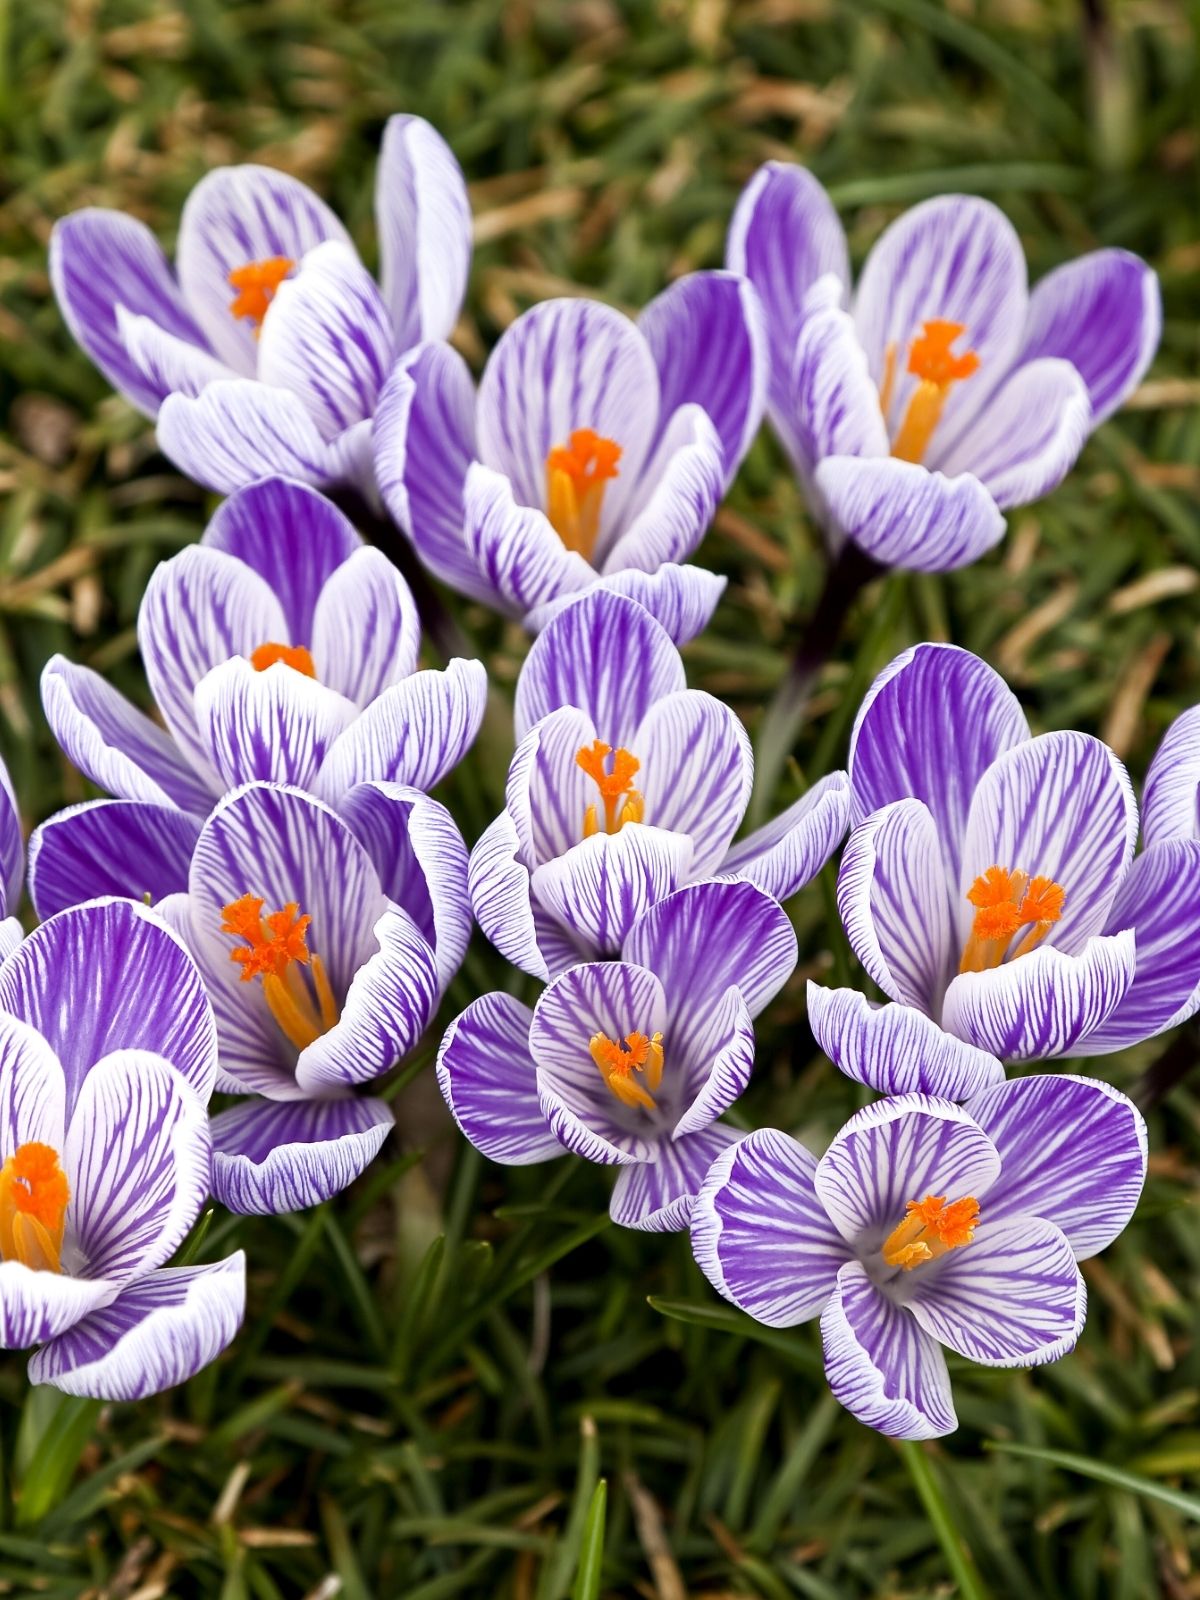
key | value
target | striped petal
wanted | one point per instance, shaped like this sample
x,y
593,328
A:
x,y
895,1049
521,558
659,1196
33,1090
488,1079
35,1306
682,599
423,219
237,431
271,1157
1171,798
674,503
110,847
165,363
714,1061
697,772
832,398
1030,437
905,516
499,887
601,886
12,844
786,853
366,634
277,725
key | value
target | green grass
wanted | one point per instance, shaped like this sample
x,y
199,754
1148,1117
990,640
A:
x,y
459,1380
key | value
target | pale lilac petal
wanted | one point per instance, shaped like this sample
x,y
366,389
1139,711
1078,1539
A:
x,y
786,853
116,745
881,1365
673,504
607,656
165,363
895,1049
12,844
521,557
270,1156
833,399
601,886
109,847
366,633
138,1157
1061,807
35,1306
714,1061
1013,1297
1071,1149
423,219
682,599
237,431
488,1079
898,1150
708,336
659,1196
1043,1004
111,976
293,537
558,946
277,725
892,900
1103,314
327,338
159,1331
761,1236
99,260
499,887
697,772
1030,437
33,1090
903,515
233,216
413,733
1171,798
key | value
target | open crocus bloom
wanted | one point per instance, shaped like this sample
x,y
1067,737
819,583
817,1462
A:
x,y
631,1062
596,450
325,941
265,349
625,785
107,1059
280,648
989,882
948,393
927,1224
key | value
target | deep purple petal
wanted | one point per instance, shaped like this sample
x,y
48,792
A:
x,y
366,633
423,219
488,1079
109,847
697,772
682,599
895,1049
903,515
12,844
601,886
1171,798
659,1196
237,431
271,1156
786,853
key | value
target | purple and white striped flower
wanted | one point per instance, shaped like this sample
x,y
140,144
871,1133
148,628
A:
x,y
281,648
927,1224
596,449
325,941
990,883
107,1059
948,393
266,347
625,785
628,1063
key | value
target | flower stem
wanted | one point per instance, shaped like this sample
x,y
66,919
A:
x,y
1178,1060
847,575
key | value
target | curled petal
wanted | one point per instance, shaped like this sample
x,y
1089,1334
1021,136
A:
x,y
903,515
681,488
271,1157
499,886
237,431
833,399
659,1196
522,559
788,852
682,599
35,1306
110,847
488,1079
895,1049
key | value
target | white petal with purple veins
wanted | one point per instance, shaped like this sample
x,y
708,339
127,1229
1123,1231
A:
x,y
423,219
110,847
38,1305
903,515
520,555
366,633
833,399
499,887
277,725
659,1196
489,1081
236,431
715,1061
270,1158
673,504
895,1049
786,853
602,885
33,1090
683,599
1028,437
165,363
1171,798
697,772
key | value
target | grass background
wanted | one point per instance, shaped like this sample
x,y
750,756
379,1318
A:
x,y
439,1368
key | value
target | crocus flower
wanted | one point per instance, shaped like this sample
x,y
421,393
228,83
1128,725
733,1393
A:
x,y
625,785
280,648
990,884
325,942
265,349
107,1059
924,1225
596,447
628,1063
947,393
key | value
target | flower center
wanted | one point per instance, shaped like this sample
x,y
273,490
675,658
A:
x,y
930,359
292,655
930,1228
256,284
622,802
619,1059
33,1207
575,477
274,949
1005,901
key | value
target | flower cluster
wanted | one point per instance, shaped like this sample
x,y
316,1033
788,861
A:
x,y
272,906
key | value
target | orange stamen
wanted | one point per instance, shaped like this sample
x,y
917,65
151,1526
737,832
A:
x,y
619,1059
256,283
1005,901
292,655
33,1207
931,1228
622,802
575,477
274,950
930,359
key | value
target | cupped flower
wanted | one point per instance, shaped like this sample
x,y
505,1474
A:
x,y
325,941
927,1225
629,1063
989,882
108,1054
942,393
266,347
595,451
282,649
625,786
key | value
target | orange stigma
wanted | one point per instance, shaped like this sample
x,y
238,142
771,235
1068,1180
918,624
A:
x,y
575,477
619,1059
1005,901
274,949
33,1207
930,359
292,655
930,1228
256,284
622,802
